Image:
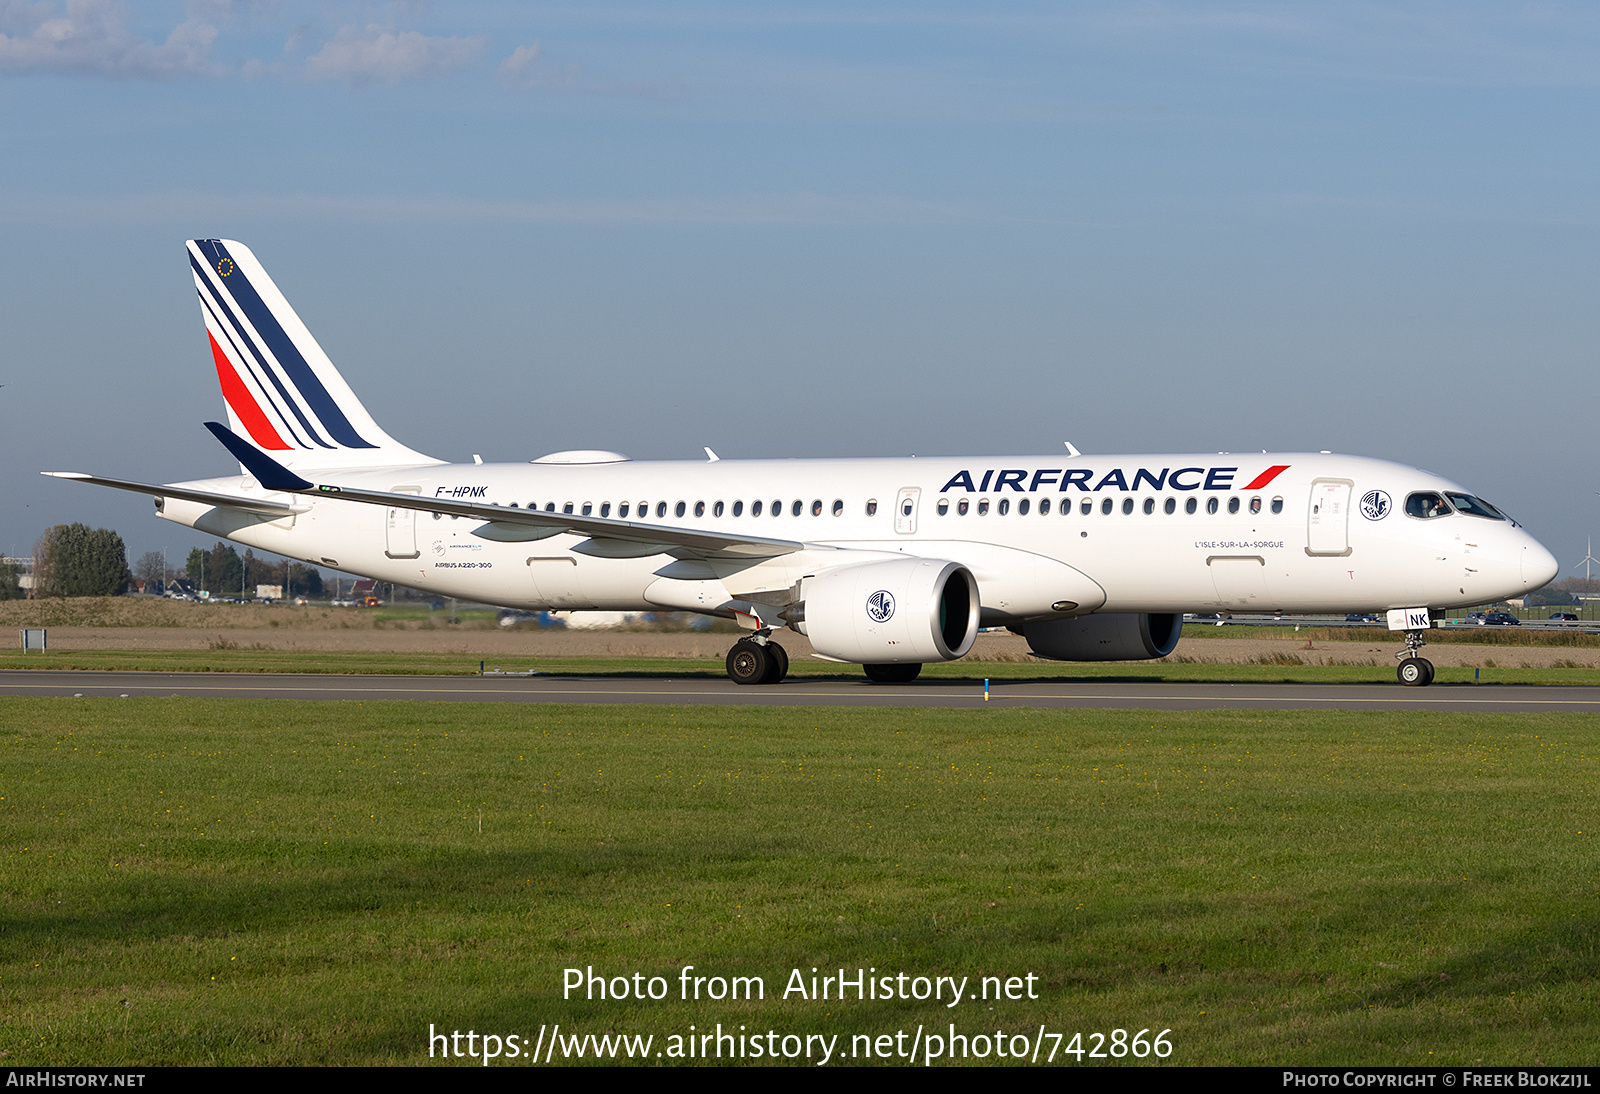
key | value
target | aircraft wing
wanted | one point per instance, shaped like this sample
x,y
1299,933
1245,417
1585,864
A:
x,y
608,538
204,497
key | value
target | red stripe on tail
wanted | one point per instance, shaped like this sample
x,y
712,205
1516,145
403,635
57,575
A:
x,y
243,403
1266,476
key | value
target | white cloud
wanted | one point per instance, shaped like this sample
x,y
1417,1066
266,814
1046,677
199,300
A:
x,y
91,37
526,67
380,55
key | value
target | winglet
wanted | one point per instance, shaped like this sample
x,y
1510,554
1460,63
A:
x,y
271,474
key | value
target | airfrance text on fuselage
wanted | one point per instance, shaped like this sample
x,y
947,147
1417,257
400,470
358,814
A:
x,y
1184,478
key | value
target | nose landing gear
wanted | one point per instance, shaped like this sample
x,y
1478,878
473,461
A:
x,y
1414,671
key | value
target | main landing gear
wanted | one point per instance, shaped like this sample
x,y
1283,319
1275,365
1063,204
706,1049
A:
x,y
757,660
1414,671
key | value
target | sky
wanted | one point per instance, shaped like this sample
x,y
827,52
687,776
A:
x,y
788,230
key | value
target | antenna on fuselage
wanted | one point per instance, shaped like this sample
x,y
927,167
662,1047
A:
x,y
1071,449
711,457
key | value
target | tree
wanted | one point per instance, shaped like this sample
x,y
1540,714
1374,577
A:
x,y
10,587
151,569
304,579
218,570
76,560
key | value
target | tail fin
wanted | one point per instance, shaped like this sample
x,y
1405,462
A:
x,y
280,388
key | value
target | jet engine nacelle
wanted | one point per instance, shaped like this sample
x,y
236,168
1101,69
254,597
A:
x,y
1116,636
892,612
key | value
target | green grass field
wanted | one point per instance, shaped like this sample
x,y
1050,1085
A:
x,y
227,882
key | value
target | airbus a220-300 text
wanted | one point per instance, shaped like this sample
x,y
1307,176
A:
x,y
887,563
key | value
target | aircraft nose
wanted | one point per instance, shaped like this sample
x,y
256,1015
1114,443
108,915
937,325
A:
x,y
1539,566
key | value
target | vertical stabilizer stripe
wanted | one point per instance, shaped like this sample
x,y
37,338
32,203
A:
x,y
242,336
240,357
288,355
241,402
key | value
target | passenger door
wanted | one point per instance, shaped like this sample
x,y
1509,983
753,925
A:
x,y
1328,522
400,528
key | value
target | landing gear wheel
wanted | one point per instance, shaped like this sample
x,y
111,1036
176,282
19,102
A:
x,y
1415,672
748,663
892,674
779,662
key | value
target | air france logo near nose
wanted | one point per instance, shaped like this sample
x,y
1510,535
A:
x,y
880,606
1375,505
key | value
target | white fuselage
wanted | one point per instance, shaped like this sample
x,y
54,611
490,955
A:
x,y
1304,541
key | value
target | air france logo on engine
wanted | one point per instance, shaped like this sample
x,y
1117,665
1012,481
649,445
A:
x,y
880,606
1375,505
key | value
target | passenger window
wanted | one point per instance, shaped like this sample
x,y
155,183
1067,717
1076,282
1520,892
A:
x,y
872,507
1255,506
605,509
1044,507
622,510
838,507
1170,507
796,508
738,508
440,516
983,507
567,508
816,508
961,507
1426,505
1149,506
755,509
1211,505
699,508
1087,507
1233,505
944,507
661,509
678,510
1190,506
1277,505
550,507
588,508
1105,507
1022,507
1005,506
777,508
716,510
1127,506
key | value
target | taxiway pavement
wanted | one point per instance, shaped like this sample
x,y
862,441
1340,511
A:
x,y
1112,695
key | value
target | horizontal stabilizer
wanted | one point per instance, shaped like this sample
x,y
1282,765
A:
x,y
204,497
271,474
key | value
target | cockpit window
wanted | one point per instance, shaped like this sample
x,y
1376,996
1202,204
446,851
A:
x,y
1476,507
1425,505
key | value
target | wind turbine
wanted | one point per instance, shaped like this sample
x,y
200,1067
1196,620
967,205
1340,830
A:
x,y
1588,559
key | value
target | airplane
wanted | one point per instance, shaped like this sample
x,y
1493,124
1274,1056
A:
x,y
886,563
